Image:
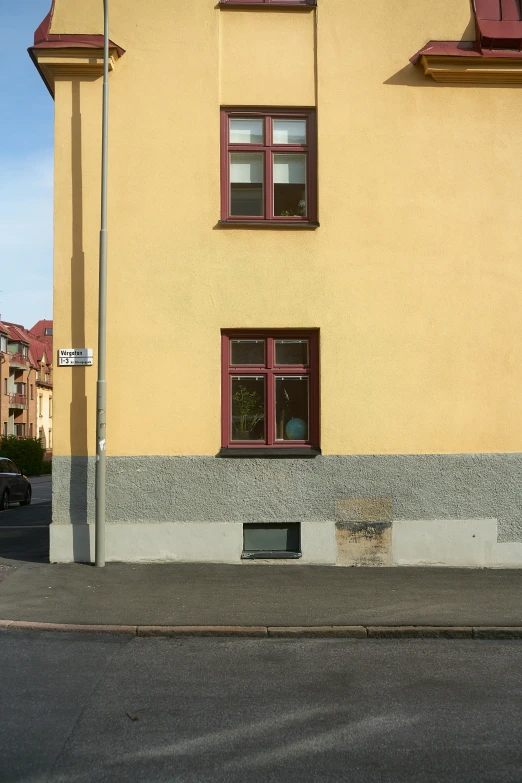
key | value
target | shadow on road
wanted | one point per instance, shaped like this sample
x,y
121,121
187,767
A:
x,y
27,516
24,530
30,545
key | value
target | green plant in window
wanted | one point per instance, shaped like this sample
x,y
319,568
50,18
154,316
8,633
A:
x,y
248,407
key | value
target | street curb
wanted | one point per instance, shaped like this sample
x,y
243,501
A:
x,y
24,625
201,630
279,632
318,632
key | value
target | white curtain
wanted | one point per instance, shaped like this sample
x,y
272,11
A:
x,y
246,131
246,167
289,131
289,169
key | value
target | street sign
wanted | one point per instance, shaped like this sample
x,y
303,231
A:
x,y
75,357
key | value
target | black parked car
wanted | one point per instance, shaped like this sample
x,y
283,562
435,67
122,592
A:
x,y
14,486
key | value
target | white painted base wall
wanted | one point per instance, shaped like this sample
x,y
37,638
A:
x,y
452,542
184,542
460,543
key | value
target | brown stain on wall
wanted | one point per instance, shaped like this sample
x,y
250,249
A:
x,y
363,531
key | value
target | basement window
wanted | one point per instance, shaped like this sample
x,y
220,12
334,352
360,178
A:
x,y
277,541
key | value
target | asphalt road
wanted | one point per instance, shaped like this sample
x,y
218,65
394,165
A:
x,y
24,530
82,709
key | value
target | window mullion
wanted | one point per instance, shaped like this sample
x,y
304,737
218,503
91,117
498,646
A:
x,y
268,164
270,402
270,352
270,392
268,185
268,131
270,408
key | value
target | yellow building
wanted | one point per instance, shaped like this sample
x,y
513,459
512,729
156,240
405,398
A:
x,y
314,322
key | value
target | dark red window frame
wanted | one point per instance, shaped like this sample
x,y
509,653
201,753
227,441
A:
x,y
269,149
270,370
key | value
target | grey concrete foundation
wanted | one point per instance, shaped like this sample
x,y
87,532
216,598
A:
x,y
351,497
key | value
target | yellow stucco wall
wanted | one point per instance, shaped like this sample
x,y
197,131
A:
x,y
412,278
273,67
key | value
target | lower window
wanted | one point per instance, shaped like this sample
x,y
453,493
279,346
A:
x,y
270,390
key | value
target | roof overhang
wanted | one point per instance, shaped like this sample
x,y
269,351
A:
x,y
495,57
68,61
451,61
62,56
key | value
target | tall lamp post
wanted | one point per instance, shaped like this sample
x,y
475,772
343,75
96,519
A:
x,y
101,385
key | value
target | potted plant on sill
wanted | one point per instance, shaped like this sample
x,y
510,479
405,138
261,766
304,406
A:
x,y
248,410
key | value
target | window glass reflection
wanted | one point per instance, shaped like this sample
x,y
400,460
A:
x,y
289,131
248,408
291,414
291,352
248,131
247,352
246,183
290,185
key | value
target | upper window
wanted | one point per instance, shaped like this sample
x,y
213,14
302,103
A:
x,y
268,2
269,166
270,392
3,343
48,331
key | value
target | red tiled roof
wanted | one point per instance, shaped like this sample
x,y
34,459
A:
x,y
37,345
17,332
39,328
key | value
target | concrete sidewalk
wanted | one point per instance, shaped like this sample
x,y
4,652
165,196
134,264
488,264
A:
x,y
258,595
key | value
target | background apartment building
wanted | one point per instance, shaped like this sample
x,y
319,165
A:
x,y
316,243
42,352
26,381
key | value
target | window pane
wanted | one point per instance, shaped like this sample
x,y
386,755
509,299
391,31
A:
x,y
248,408
289,131
246,131
291,401
290,185
291,352
247,352
246,183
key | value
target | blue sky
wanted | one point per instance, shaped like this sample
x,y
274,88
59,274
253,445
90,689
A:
x,y
26,171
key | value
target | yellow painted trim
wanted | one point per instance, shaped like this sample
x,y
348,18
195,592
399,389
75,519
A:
x,y
68,63
475,70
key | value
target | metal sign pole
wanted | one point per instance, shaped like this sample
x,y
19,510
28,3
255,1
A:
x,y
101,386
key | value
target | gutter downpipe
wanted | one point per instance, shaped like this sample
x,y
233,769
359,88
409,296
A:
x,y
101,385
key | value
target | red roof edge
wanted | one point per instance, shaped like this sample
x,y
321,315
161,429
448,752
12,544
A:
x,y
44,39
464,49
450,48
498,26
